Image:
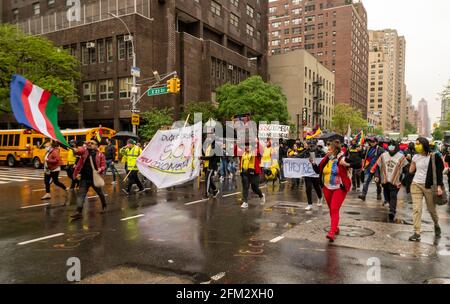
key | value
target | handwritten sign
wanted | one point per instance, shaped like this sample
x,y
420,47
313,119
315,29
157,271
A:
x,y
299,167
273,131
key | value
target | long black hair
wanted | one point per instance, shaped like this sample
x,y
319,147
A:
x,y
425,143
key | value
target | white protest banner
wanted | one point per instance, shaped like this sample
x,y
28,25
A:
x,y
299,167
273,131
171,158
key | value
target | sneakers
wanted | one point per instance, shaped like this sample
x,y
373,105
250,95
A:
x,y
415,238
320,202
47,196
244,205
309,208
263,199
77,216
216,193
362,197
125,191
437,231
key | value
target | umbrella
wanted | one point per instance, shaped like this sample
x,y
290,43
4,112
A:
x,y
124,135
331,136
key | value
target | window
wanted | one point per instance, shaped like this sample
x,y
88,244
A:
x,y
124,87
109,49
272,10
84,54
296,39
250,30
276,24
89,91
276,42
101,50
276,33
216,8
50,2
234,20
36,8
15,13
121,50
235,2
92,53
250,11
296,30
106,89
287,40
296,21
286,31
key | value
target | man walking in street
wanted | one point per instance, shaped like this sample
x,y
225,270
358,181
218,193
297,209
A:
x,y
210,161
374,151
132,153
250,172
71,162
52,167
110,155
90,159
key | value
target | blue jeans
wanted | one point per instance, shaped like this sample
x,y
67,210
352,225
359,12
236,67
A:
x,y
223,171
367,180
110,165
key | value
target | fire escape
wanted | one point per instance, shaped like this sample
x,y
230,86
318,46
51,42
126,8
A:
x,y
317,99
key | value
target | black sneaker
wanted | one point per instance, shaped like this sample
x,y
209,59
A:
x,y
362,197
437,231
415,238
76,216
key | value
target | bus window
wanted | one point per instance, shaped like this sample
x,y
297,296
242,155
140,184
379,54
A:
x,y
36,142
70,137
5,140
16,140
28,140
81,138
10,140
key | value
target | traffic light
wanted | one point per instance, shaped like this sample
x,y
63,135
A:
x,y
171,85
177,85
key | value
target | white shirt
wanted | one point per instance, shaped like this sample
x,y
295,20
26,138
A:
x,y
422,163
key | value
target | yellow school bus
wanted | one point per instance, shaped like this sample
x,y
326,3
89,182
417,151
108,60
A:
x,y
80,136
18,145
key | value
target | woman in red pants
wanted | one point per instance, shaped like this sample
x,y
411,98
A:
x,y
335,176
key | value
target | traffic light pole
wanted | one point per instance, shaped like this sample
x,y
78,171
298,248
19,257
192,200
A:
x,y
156,84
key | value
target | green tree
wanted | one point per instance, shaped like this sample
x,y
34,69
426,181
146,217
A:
x,y
409,129
207,109
154,120
38,60
344,115
438,134
266,102
378,131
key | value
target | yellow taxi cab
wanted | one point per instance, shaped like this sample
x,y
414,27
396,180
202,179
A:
x,y
18,145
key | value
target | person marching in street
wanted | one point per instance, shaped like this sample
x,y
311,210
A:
x,y
72,160
422,167
52,167
123,155
373,153
295,152
282,153
407,179
311,153
391,164
91,160
250,172
447,160
355,153
210,161
334,174
132,153
110,155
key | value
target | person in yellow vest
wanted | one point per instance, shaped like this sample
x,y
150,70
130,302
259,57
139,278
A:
x,y
71,162
132,153
250,171
123,154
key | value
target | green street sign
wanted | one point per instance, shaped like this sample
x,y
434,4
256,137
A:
x,y
158,91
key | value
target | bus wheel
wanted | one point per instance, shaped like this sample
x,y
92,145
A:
x,y
11,161
37,163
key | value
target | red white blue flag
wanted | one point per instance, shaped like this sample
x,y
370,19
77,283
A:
x,y
36,108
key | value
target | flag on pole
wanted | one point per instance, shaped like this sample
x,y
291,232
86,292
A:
x,y
100,134
315,135
360,138
36,108
349,132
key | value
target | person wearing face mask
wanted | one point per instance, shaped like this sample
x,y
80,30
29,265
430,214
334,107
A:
x,y
373,153
422,168
90,159
250,172
52,167
390,164
355,153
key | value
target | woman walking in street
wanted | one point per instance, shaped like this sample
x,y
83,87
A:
x,y
335,174
422,168
52,167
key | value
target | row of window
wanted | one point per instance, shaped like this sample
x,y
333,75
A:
x,y
223,72
105,89
9,140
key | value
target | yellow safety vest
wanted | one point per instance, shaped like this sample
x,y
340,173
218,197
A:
x,y
207,154
71,158
132,155
247,161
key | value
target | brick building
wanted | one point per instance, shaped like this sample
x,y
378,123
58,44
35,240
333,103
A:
x,y
207,42
335,32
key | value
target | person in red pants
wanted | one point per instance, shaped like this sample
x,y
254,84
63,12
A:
x,y
335,176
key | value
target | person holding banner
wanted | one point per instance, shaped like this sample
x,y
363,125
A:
x,y
312,181
334,173
250,172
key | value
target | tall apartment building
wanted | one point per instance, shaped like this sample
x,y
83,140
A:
x,y
333,31
309,88
208,43
424,125
411,111
387,89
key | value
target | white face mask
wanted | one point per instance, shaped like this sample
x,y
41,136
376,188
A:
x,y
391,148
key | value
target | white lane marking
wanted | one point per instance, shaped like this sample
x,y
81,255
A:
x,y
38,190
232,194
277,239
218,276
196,202
41,239
283,182
132,217
20,176
12,180
35,206
1,183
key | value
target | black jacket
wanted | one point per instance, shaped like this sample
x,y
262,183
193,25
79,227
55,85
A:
x,y
110,152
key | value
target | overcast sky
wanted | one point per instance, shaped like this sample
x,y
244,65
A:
x,y
425,25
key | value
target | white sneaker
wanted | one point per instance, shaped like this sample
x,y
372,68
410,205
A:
x,y
320,202
244,205
263,199
309,208
46,196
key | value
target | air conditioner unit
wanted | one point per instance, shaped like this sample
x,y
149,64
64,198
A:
x,y
128,38
230,67
90,45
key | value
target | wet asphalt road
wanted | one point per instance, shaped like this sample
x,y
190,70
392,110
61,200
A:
x,y
172,233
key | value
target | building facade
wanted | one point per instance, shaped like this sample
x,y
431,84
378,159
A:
x,y
424,125
208,43
445,110
387,90
333,31
309,87
411,111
